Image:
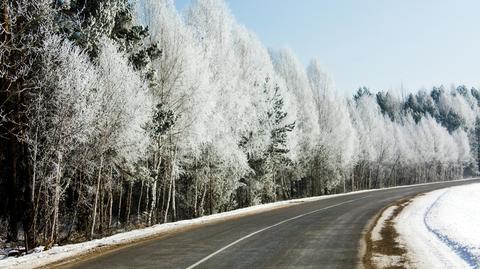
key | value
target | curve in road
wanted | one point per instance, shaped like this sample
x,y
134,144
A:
x,y
321,234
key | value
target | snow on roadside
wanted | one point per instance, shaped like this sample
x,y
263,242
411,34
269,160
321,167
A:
x,y
387,213
384,252
440,228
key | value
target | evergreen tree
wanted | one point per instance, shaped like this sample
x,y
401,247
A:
x,y
277,153
362,91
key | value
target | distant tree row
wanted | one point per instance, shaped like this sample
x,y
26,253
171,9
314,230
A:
x,y
116,115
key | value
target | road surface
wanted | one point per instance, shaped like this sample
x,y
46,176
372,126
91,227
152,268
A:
x,y
321,234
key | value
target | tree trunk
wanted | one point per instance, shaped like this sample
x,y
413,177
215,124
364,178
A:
x,y
283,186
174,207
56,201
148,196
129,201
168,200
211,195
120,204
94,216
202,202
353,179
273,186
165,186
174,175
153,204
74,218
5,19
154,189
140,201
195,196
110,199
101,209
369,179
32,197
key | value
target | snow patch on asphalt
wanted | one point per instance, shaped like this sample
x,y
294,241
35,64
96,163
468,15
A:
x,y
441,229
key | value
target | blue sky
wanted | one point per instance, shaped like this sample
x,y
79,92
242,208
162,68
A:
x,y
381,44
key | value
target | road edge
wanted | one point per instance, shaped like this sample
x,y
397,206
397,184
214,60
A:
x,y
390,245
103,250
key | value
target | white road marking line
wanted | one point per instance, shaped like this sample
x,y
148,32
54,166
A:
x,y
269,227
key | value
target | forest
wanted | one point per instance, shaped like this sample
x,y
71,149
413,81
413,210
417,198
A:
x,y
116,115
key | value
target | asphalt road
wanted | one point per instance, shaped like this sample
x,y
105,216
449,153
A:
x,y
320,234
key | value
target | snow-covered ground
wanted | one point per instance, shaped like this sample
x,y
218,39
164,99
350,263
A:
x,y
441,229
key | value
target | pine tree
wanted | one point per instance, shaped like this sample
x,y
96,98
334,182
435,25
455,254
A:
x,y
278,148
277,159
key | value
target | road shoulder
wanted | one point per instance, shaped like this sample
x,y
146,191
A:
x,y
436,229
381,246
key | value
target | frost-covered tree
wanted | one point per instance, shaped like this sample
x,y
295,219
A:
x,y
124,110
296,82
60,122
241,99
337,136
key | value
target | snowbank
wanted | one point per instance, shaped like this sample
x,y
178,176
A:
x,y
441,229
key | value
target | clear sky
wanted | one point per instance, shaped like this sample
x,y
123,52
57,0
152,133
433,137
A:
x,y
381,44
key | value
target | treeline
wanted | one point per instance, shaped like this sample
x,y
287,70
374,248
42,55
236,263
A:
x,y
115,115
